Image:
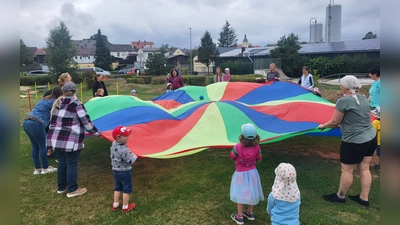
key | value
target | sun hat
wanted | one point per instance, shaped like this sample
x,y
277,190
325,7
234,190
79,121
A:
x,y
69,86
249,131
121,130
377,112
285,186
316,89
133,91
227,68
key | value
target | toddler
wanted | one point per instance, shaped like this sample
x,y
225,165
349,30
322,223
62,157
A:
x,y
284,200
246,184
99,92
121,160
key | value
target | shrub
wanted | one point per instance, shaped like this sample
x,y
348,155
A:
x,y
159,80
30,80
195,80
87,78
135,80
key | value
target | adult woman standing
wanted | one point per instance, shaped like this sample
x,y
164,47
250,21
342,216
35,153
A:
x,y
175,80
219,76
273,75
352,113
35,125
98,83
375,90
68,121
64,78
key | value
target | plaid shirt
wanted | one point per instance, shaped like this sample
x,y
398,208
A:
x,y
67,123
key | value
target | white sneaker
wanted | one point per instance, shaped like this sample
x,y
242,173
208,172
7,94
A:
x,y
37,171
49,169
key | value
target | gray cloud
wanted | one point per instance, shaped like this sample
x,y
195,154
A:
x,y
167,22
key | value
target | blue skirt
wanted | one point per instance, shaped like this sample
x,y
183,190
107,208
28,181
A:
x,y
246,187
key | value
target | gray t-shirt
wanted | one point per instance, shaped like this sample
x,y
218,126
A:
x,y
121,157
356,124
272,75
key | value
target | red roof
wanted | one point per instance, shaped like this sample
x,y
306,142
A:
x,y
140,44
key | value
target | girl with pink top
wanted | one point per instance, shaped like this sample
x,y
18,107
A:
x,y
246,183
227,76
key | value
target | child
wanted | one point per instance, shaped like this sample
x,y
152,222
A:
x,y
227,75
133,92
317,92
284,200
246,183
377,125
169,88
121,160
99,92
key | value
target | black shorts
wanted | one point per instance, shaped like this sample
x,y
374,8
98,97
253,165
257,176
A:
x,y
351,153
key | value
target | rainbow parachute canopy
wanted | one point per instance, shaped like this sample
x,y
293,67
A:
x,y
195,118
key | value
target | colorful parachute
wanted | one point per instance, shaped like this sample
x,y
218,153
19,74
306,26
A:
x,y
194,118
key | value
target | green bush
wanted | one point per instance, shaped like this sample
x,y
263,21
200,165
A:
x,y
87,78
30,80
135,80
159,80
237,66
195,80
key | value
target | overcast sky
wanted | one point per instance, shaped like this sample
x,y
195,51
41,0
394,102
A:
x,y
167,21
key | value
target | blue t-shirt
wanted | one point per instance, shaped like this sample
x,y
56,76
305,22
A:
x,y
375,94
283,213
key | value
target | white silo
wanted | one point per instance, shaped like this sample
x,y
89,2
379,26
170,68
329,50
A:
x,y
333,22
315,31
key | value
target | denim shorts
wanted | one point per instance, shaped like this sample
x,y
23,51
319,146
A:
x,y
123,181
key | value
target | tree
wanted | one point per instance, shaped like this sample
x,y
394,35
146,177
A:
x,y
288,51
369,35
156,63
194,53
102,55
25,57
207,51
227,36
94,37
60,52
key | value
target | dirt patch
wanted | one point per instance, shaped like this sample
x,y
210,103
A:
x,y
329,155
23,88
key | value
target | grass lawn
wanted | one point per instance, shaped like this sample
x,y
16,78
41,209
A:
x,y
192,189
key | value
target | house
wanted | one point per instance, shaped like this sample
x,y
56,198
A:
x,y
175,55
143,54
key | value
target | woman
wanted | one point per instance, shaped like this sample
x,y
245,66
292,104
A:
x,y
98,83
358,140
67,123
375,90
175,80
307,79
35,125
218,77
64,78
273,75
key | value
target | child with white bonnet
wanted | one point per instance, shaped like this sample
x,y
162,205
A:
x,y
284,200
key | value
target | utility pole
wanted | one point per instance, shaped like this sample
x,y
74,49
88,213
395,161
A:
x,y
191,63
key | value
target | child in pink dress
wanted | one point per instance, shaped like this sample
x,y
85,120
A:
x,y
227,75
246,184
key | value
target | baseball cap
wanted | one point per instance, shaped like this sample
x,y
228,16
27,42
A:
x,y
377,112
121,130
133,91
69,86
249,131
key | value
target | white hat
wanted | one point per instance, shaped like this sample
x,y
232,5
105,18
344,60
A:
x,y
285,186
227,68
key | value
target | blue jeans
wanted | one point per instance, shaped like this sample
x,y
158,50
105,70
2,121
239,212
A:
x,y
123,181
37,135
67,173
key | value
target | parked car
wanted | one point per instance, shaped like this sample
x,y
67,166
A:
x,y
134,70
97,70
37,73
194,72
123,71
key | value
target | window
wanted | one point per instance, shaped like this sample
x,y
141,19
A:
x,y
117,53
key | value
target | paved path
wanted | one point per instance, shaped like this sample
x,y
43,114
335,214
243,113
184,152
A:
x,y
363,81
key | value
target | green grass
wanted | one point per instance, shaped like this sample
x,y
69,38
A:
x,y
188,190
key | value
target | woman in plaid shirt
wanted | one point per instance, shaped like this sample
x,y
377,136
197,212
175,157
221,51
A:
x,y
68,122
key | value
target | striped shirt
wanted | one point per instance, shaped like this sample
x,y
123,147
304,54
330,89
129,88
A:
x,y
68,122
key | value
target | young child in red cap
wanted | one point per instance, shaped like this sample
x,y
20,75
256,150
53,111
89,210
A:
x,y
121,160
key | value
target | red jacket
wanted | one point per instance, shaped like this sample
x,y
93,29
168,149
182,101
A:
x,y
176,82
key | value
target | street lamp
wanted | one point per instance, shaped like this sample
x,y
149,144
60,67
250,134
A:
x,y
190,67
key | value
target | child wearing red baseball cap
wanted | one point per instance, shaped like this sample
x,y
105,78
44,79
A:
x,y
121,160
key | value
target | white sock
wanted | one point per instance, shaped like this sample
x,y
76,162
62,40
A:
x,y
116,204
124,206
